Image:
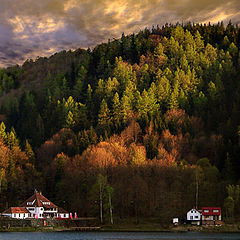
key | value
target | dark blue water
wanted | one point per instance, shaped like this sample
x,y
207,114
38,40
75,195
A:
x,y
118,236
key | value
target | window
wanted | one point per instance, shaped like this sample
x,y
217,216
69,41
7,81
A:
x,y
206,210
192,211
191,217
196,217
215,211
64,215
14,215
24,215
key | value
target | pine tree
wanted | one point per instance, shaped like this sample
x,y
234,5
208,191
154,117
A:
x,y
212,91
126,108
3,134
178,34
173,101
29,152
40,130
198,41
164,90
116,112
133,49
110,87
77,90
104,118
49,84
233,50
70,122
12,140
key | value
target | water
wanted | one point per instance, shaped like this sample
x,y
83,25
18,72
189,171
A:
x,y
118,236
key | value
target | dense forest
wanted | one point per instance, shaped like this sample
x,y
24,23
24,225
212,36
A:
x,y
152,119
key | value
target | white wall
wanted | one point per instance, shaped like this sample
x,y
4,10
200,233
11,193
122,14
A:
x,y
39,211
61,215
20,215
36,210
193,215
7,214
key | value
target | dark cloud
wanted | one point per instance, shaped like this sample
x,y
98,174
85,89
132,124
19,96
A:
x,y
30,28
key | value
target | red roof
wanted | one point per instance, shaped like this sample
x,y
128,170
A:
x,y
211,211
16,210
38,200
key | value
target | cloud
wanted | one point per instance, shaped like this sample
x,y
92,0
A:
x,y
30,28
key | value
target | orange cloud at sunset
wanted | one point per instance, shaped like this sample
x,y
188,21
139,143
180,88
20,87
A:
x,y
30,28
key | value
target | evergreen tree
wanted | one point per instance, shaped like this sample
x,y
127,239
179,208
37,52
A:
x,y
29,152
198,41
12,140
126,108
3,134
70,122
104,118
116,112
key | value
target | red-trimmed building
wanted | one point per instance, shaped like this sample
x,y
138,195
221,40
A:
x,y
211,216
37,206
16,212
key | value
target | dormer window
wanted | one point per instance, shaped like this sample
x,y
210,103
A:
x,y
206,210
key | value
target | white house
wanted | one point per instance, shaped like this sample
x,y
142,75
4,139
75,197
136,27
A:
x,y
37,206
16,212
194,216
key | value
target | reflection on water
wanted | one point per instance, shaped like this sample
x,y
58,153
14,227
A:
x,y
118,236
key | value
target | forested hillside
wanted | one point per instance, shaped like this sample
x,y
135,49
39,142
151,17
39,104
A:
x,y
156,113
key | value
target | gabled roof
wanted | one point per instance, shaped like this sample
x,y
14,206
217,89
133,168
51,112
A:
x,y
194,210
16,210
38,200
211,211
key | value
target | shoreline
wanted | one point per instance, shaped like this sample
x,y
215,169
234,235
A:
x,y
178,230
226,228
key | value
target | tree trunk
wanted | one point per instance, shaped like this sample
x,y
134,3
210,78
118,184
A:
x,y
110,208
101,203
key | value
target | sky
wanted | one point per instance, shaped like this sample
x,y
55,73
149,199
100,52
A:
x,y
32,28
